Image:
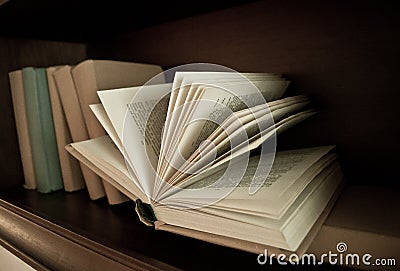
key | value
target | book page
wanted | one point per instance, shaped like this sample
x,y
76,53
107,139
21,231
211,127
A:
x,y
215,105
184,112
209,165
229,134
243,215
101,115
259,138
251,120
190,91
288,232
103,153
290,173
182,84
138,125
233,97
184,87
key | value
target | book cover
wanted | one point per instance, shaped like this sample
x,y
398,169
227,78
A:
x,y
21,123
76,124
70,169
41,130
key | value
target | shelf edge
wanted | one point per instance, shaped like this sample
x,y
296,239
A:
x,y
54,247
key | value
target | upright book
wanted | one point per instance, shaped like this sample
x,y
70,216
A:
x,y
70,169
197,157
41,130
74,118
21,123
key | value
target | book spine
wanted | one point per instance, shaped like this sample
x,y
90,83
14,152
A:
x,y
70,169
74,117
41,130
21,123
145,212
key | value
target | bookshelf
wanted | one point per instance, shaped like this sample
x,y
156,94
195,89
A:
x,y
343,54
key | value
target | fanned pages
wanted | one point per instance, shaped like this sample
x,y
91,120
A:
x,y
197,154
21,123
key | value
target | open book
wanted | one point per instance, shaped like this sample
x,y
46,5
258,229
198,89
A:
x,y
198,157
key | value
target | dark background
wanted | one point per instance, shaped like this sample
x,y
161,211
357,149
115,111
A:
x,y
345,54
91,20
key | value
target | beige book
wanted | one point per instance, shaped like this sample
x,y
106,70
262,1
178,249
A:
x,y
18,99
73,115
91,76
70,169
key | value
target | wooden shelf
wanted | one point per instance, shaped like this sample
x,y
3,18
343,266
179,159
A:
x,y
115,232
117,228
114,235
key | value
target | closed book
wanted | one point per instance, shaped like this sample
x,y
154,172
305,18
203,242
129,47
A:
x,y
41,130
21,122
70,169
73,115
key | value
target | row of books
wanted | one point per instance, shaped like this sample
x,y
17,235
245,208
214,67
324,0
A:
x,y
195,149
51,107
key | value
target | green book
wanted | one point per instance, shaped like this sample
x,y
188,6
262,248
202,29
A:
x,y
41,130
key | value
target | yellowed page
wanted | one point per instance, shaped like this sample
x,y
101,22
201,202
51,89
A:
x,y
236,128
142,149
286,233
225,97
290,173
101,115
103,153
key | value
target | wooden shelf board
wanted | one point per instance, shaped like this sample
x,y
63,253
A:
x,y
118,228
